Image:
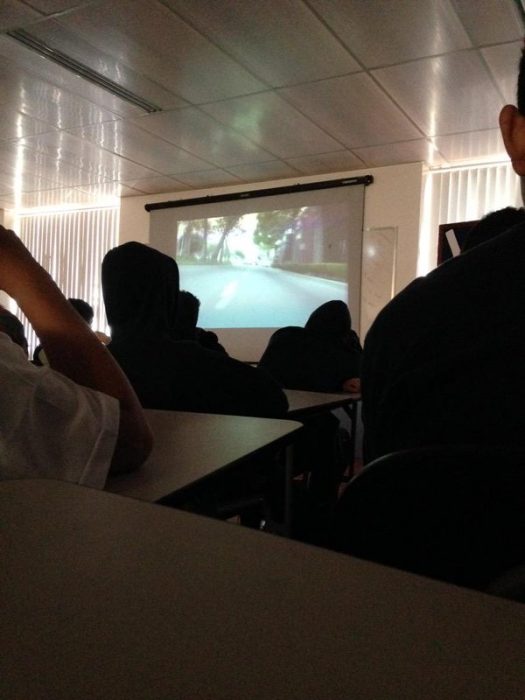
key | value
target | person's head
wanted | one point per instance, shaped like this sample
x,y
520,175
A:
x,y
140,287
331,320
84,309
493,225
512,125
11,326
187,314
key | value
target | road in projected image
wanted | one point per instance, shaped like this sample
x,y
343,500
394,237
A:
x,y
248,296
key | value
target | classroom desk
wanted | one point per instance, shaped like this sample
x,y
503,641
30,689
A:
x,y
189,447
108,597
306,403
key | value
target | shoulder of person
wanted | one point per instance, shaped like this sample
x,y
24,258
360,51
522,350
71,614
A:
x,y
286,332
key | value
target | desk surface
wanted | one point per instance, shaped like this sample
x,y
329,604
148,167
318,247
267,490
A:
x,y
189,447
303,402
108,597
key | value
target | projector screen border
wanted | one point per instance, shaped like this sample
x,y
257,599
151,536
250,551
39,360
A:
x,y
265,192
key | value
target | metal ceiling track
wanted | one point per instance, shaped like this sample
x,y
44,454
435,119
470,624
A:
x,y
79,69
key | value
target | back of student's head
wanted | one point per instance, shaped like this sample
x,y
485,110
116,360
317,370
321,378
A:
x,y
492,225
331,319
11,326
187,314
140,287
84,309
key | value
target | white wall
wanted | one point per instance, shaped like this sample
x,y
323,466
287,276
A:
x,y
393,200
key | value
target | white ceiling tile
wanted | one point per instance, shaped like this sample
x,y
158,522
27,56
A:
x,y
208,178
15,125
108,192
446,94
203,136
382,32
126,192
27,200
49,7
9,201
129,141
59,38
24,170
420,150
39,68
472,146
326,163
59,109
273,124
353,109
15,14
154,42
278,55
503,62
329,115
13,182
264,171
72,154
152,185
490,21
57,197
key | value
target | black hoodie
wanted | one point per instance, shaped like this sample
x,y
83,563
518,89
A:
x,y
140,287
318,357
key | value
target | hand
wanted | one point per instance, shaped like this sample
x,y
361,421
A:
x,y
353,386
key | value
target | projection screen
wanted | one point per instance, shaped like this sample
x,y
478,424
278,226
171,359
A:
x,y
258,263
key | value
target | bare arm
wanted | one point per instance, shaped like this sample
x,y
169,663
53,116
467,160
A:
x,y
71,347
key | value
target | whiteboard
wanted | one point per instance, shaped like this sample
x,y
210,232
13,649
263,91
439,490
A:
x,y
378,272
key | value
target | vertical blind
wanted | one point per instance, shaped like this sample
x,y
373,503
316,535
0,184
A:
x,y
70,245
462,194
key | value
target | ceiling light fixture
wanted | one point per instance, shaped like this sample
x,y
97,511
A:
x,y
81,70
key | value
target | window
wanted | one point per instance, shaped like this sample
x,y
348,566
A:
x,y
70,245
462,194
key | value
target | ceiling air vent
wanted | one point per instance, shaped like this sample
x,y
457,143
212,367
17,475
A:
x,y
81,70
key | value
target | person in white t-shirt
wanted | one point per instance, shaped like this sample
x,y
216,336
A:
x,y
76,420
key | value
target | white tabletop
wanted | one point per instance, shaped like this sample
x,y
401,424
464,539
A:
x,y
108,597
189,447
304,402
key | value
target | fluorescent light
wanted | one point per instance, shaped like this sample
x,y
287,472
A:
x,y
81,70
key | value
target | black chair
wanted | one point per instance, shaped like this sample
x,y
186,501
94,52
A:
x,y
455,513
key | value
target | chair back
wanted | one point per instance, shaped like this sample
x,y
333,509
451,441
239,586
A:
x,y
456,513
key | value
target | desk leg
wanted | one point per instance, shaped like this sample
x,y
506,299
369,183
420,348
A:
x,y
353,414
288,491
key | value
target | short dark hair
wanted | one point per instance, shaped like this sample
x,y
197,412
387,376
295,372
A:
x,y
187,313
521,84
83,308
12,326
492,225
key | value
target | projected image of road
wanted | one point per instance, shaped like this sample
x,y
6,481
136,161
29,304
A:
x,y
245,297
266,269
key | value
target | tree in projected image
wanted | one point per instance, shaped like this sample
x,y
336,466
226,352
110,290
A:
x,y
273,227
303,240
192,240
224,226
202,241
